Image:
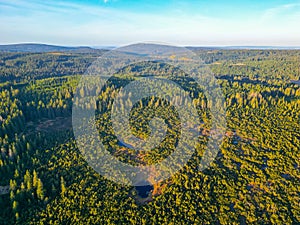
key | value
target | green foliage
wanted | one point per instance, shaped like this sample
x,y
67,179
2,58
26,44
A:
x,y
254,180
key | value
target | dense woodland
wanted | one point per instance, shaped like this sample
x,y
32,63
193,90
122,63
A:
x,y
254,180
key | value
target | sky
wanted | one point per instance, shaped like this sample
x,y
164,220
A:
x,y
179,22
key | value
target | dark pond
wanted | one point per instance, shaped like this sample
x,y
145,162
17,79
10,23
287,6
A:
x,y
144,191
296,81
123,144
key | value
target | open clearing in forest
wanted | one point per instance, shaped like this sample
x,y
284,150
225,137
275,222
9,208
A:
x,y
60,123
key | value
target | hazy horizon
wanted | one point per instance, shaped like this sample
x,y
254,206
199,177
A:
x,y
184,23
192,46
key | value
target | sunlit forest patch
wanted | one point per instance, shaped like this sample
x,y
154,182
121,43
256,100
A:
x,y
255,178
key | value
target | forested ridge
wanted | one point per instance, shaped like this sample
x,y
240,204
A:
x,y
26,67
255,178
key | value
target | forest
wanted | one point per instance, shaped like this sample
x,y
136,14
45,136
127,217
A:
x,y
255,178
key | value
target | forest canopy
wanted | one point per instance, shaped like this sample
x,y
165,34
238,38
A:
x,y
255,178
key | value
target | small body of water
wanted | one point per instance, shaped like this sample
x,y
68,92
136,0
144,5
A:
x,y
296,81
4,190
123,144
144,191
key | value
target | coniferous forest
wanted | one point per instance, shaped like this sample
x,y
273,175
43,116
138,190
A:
x,y
255,178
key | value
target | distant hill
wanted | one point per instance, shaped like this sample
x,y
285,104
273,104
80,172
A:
x,y
263,47
243,48
45,48
33,47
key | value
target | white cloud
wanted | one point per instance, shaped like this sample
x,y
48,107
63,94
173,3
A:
x,y
80,24
287,9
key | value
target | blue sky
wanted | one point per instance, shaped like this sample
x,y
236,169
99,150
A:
x,y
121,22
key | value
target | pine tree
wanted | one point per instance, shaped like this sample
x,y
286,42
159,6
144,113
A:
x,y
40,190
62,185
15,206
28,180
35,179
